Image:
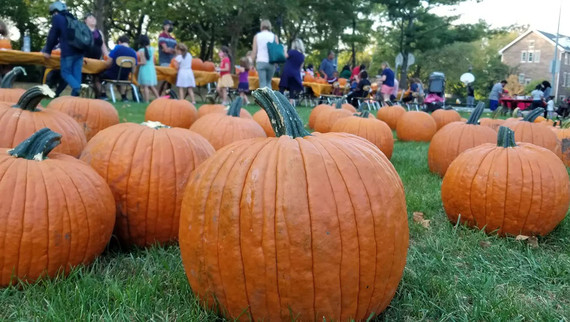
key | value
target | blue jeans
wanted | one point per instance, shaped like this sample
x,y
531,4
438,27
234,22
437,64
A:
x,y
265,72
71,72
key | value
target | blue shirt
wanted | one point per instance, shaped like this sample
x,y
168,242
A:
x,y
113,71
327,66
57,33
496,92
389,77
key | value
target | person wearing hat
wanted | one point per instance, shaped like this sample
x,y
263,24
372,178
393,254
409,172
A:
x,y
99,48
166,50
71,60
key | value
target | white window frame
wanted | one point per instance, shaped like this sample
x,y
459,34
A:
x,y
566,58
523,56
530,56
531,44
537,56
521,78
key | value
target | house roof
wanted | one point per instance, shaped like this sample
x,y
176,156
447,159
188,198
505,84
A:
x,y
563,41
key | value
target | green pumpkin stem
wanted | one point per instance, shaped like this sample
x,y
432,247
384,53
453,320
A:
x,y
363,114
477,112
10,77
565,124
530,117
283,117
506,137
32,97
37,146
235,107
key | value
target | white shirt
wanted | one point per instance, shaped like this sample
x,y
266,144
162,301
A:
x,y
186,62
550,106
263,37
537,95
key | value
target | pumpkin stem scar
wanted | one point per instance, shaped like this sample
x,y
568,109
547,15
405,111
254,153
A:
x,y
534,114
506,137
37,146
477,112
32,97
284,118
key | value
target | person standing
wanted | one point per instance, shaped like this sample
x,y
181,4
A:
x,y
327,67
356,71
470,95
345,73
537,96
185,80
166,49
99,48
387,81
291,76
550,107
260,53
71,60
147,72
225,81
495,94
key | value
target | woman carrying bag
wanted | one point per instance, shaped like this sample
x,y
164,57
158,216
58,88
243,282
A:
x,y
260,53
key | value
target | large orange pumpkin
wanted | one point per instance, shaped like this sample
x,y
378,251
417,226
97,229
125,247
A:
x,y
456,137
298,227
327,117
147,167
315,112
24,119
391,115
508,188
528,131
208,66
492,123
373,130
443,117
171,111
7,93
222,129
262,119
56,213
93,115
416,126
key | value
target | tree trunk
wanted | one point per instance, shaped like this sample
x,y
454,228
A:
x,y
405,51
101,9
353,46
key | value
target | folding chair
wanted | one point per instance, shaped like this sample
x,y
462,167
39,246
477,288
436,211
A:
x,y
371,104
124,62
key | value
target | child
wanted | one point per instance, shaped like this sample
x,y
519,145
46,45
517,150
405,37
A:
x,y
226,79
550,107
185,79
147,72
243,86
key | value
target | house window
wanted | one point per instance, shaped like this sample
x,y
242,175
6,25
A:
x,y
564,78
566,58
530,56
531,44
523,56
537,56
521,78
527,81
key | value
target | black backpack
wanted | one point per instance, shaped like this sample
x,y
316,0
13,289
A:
x,y
79,36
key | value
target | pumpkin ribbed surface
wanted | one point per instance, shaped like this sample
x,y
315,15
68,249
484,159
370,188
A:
x,y
390,115
514,190
416,126
171,112
11,95
299,227
315,113
528,131
56,213
492,123
147,169
92,115
221,129
373,130
326,118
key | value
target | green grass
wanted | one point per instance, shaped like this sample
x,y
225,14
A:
x,y
452,272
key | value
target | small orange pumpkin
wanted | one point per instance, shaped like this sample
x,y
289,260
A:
x,y
367,127
443,117
416,126
171,111
528,131
391,115
208,66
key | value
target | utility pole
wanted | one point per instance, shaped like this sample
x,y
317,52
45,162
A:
x,y
555,61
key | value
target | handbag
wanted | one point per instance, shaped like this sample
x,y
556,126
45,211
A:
x,y
276,53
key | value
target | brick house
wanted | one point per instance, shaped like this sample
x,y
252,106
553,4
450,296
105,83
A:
x,y
531,55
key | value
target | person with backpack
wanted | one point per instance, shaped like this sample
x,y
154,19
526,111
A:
x,y
74,38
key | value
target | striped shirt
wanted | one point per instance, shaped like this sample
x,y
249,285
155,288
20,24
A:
x,y
165,38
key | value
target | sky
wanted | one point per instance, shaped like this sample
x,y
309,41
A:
x,y
541,14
